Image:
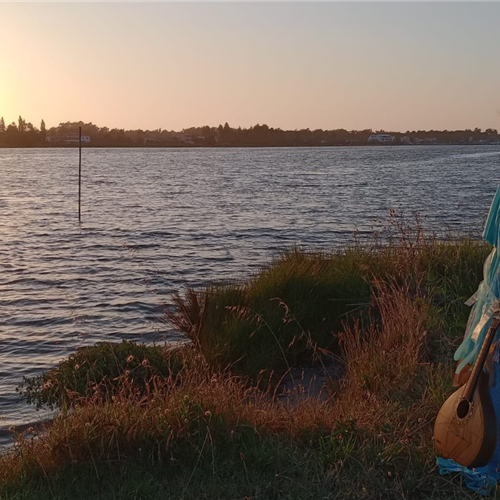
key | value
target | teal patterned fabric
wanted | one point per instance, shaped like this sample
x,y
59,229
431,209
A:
x,y
486,300
491,232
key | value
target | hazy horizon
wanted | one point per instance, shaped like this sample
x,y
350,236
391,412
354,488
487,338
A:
x,y
391,66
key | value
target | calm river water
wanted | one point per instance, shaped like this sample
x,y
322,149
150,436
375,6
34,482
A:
x,y
155,220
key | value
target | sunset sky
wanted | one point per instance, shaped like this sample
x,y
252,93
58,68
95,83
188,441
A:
x,y
392,66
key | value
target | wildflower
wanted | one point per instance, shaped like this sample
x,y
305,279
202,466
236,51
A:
x,y
130,359
77,366
144,362
208,413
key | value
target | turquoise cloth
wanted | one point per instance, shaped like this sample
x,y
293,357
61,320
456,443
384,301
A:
x,y
486,302
491,233
488,294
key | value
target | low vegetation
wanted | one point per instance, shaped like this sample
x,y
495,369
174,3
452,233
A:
x,y
206,422
100,370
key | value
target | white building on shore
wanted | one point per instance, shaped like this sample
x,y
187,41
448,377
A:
x,y
71,138
381,139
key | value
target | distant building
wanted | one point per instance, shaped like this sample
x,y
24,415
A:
x,y
185,138
148,139
381,139
70,138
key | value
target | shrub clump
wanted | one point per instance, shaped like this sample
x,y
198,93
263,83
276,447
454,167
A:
x,y
100,370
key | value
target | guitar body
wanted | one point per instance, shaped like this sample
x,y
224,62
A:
x,y
466,431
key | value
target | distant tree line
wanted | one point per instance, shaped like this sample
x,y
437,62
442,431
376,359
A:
x,y
25,134
22,134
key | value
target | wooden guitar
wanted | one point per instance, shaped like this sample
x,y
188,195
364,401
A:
x,y
466,427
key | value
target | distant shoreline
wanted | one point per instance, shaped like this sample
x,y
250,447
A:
x,y
69,134
200,146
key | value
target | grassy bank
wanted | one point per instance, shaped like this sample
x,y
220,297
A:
x,y
203,420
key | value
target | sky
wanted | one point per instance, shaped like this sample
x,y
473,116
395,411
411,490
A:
x,y
391,66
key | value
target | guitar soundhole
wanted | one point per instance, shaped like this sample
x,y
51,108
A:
x,y
463,408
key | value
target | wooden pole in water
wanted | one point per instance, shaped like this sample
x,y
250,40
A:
x,y
80,176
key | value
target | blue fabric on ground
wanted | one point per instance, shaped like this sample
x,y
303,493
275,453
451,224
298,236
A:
x,y
479,480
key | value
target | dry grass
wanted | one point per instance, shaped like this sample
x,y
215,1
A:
x,y
386,356
188,315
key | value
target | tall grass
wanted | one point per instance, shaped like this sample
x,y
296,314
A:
x,y
304,299
384,358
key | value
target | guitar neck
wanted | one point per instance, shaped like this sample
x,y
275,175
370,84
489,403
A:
x,y
481,358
